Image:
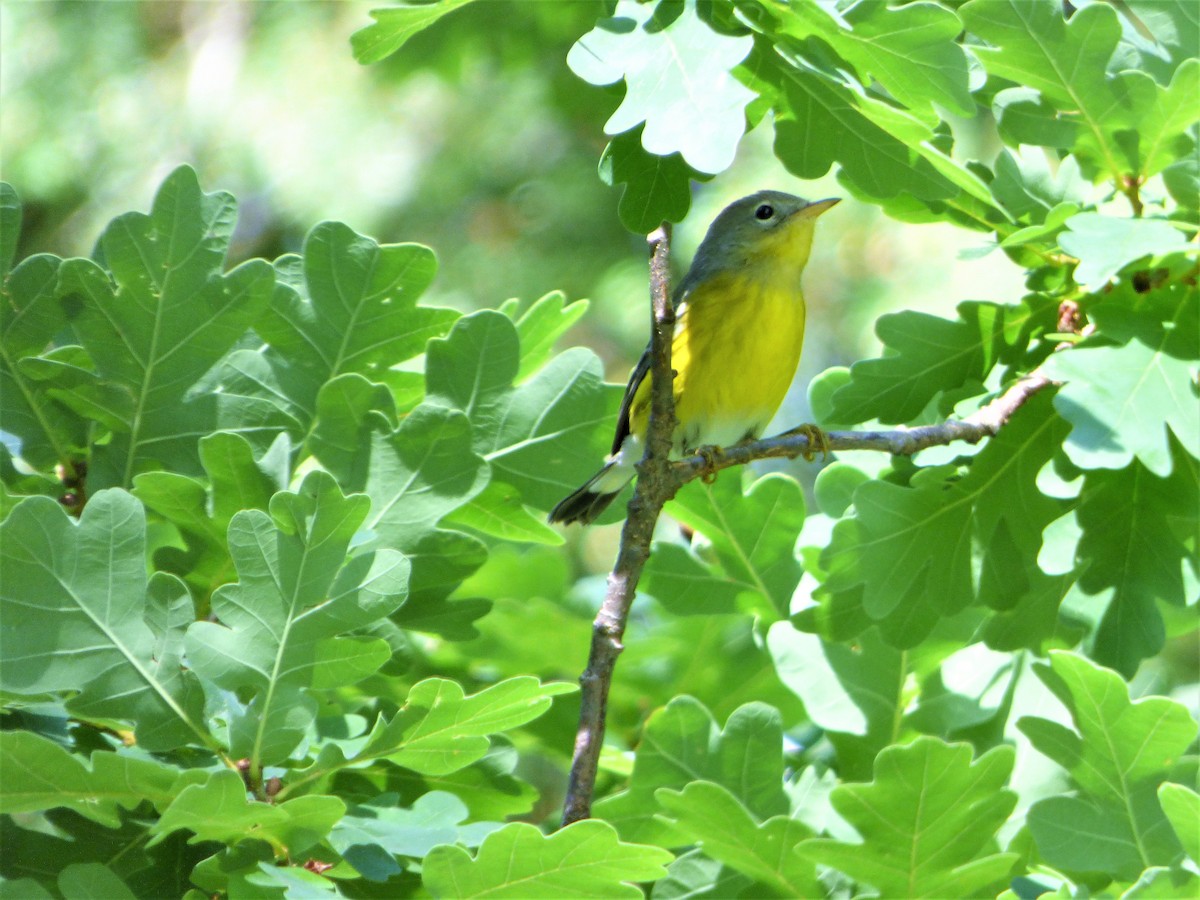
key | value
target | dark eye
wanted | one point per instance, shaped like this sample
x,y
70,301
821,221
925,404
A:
x,y
764,212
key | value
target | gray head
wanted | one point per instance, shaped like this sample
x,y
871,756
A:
x,y
768,233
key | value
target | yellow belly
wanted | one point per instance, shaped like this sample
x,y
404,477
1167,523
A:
x,y
736,350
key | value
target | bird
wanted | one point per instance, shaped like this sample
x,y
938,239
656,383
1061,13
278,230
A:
x,y
739,327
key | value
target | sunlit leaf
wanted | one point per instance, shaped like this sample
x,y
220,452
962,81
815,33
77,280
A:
x,y
585,859
677,76
926,821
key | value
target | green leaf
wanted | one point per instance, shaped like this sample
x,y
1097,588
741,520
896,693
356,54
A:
x,y
487,787
543,436
1182,809
1175,26
420,473
694,875
911,51
1023,116
1118,755
92,881
395,25
30,317
349,408
348,306
1031,189
924,551
926,355
237,480
711,817
856,692
80,615
752,536
657,188
440,562
161,320
23,889
1126,401
41,775
678,80
10,227
1129,544
1104,245
1161,883
926,821
441,730
1162,134
546,320
279,626
585,859
498,511
682,742
371,835
219,810
819,122
1032,45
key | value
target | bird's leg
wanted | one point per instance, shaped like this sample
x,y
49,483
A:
x,y
818,441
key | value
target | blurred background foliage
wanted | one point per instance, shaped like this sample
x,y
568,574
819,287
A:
x,y
483,149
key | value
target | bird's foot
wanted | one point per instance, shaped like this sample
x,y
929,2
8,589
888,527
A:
x,y
711,454
818,441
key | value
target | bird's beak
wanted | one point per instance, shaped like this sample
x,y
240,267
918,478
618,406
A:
x,y
817,207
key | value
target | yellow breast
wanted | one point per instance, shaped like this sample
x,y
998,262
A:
x,y
736,349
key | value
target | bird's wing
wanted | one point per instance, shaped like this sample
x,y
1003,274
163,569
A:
x,y
640,371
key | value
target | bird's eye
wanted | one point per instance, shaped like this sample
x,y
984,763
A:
x,y
764,212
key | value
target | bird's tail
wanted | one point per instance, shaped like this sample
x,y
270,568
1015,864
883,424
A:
x,y
594,497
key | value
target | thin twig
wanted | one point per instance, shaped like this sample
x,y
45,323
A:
x,y
985,422
656,484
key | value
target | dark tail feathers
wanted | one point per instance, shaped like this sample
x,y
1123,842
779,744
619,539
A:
x,y
583,506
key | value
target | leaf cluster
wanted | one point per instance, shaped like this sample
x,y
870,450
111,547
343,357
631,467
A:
x,y
281,616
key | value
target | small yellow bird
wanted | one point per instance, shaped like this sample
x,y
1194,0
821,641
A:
x,y
738,331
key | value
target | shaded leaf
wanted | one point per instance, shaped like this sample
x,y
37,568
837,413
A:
x,y
542,436
41,775
29,317
371,835
1118,754
682,742
657,188
926,551
219,810
81,615
911,50
724,829
161,320
279,626
751,561
420,473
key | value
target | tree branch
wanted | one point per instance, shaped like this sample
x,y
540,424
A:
x,y
656,484
985,422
